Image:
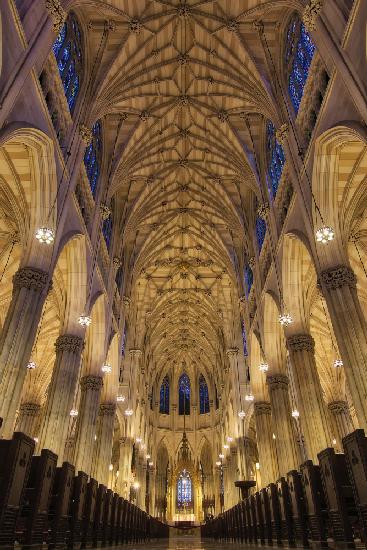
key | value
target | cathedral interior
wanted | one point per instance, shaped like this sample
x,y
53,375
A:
x,y
183,273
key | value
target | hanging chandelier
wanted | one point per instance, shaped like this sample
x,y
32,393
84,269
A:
x,y
325,234
85,320
249,397
31,365
263,367
120,398
107,369
285,319
338,363
45,235
73,413
242,414
129,412
295,413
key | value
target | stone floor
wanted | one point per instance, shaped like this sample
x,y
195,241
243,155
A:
x,y
185,543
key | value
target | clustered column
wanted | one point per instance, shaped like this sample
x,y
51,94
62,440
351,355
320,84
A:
x,y
313,419
341,418
61,392
28,418
282,422
265,443
103,450
17,337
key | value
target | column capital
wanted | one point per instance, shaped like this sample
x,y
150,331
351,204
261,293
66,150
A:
x,y
263,210
258,26
232,352
135,353
337,277
311,14
30,409
91,382
301,342
117,263
282,133
277,381
86,134
57,14
70,343
31,278
262,407
126,301
107,409
338,407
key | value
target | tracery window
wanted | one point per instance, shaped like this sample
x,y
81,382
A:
x,y
93,156
119,277
249,279
244,338
68,52
298,57
107,230
123,340
184,489
260,229
164,396
184,392
203,395
276,159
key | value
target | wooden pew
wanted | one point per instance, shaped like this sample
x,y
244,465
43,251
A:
x,y
355,447
59,519
286,516
265,507
315,502
15,466
275,513
89,513
107,517
260,524
98,515
298,505
77,508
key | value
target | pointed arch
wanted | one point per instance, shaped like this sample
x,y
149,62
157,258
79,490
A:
x,y
203,395
184,394
164,396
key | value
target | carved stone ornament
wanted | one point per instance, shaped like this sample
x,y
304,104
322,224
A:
x,y
262,407
31,278
91,382
233,25
183,10
126,301
57,14
86,134
69,343
263,210
135,26
311,14
135,353
258,26
105,211
251,262
282,133
338,407
339,276
116,262
301,342
30,409
232,352
277,381
107,409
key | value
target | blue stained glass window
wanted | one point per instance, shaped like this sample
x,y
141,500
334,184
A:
x,y
203,395
123,340
119,277
244,338
184,392
249,279
107,230
260,228
164,396
92,158
68,53
298,56
184,489
276,159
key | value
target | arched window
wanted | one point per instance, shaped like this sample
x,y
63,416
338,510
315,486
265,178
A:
x,y
249,279
244,338
184,490
118,278
107,230
164,397
123,340
203,395
299,52
260,228
276,159
184,394
68,52
93,156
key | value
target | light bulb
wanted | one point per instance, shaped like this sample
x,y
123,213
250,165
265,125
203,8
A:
x,y
147,457
151,463
285,319
110,467
226,446
257,465
117,473
36,439
242,414
325,234
85,320
263,367
229,439
136,485
274,436
338,363
334,441
120,398
31,365
218,463
295,413
249,397
95,437
45,235
107,369
138,440
74,412
221,455
129,412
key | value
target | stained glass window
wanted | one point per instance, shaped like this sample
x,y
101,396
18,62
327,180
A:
x,y
276,159
68,53
203,395
107,230
249,279
260,228
298,56
123,340
92,157
184,392
164,396
119,277
184,489
244,339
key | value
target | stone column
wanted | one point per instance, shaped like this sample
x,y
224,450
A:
x,y
265,443
285,442
103,448
125,467
16,341
61,392
340,292
27,422
313,418
342,419
91,387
